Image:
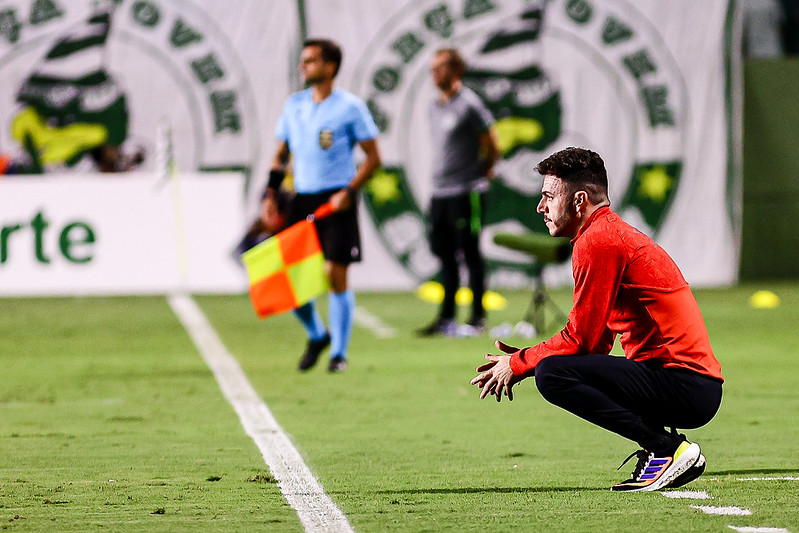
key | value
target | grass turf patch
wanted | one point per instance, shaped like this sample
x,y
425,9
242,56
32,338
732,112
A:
x,y
402,442
112,389
109,418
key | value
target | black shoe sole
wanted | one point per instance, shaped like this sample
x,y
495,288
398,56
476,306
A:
x,y
689,475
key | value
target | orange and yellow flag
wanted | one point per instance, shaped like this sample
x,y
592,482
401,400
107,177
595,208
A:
x,y
287,270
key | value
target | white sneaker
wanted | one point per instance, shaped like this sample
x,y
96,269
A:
x,y
473,330
524,330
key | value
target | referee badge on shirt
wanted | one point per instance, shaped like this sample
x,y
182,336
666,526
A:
x,y
326,139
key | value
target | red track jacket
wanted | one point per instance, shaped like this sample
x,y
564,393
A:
x,y
625,284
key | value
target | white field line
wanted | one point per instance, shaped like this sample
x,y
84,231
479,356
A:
x,y
756,529
687,494
316,510
731,510
367,320
784,478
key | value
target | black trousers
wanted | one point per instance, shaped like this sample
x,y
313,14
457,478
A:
x,y
455,224
637,400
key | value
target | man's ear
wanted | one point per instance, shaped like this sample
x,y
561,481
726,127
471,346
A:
x,y
580,200
331,68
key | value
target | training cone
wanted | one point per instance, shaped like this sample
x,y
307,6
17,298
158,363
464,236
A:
x,y
493,301
433,292
463,296
430,292
764,300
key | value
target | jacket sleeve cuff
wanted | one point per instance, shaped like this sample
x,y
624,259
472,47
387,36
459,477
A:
x,y
522,362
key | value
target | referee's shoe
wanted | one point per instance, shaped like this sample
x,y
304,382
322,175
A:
x,y
313,351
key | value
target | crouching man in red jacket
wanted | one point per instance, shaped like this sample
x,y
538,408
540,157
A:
x,y
627,285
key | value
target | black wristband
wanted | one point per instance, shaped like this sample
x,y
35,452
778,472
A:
x,y
275,179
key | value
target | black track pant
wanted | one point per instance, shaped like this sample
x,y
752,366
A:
x,y
635,400
455,224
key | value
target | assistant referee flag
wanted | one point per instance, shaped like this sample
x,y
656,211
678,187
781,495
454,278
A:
x,y
287,270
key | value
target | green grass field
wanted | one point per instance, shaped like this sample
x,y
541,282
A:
x,y
110,419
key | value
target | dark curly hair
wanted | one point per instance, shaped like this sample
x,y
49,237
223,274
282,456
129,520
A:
x,y
579,169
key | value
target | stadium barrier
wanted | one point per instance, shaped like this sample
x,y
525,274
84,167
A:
x,y
67,234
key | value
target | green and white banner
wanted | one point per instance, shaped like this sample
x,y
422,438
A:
x,y
78,74
651,85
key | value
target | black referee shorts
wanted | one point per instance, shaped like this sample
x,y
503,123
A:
x,y
339,234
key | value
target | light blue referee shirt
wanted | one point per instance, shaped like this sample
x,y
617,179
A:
x,y
322,138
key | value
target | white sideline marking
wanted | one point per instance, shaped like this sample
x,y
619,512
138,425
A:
x,y
689,494
367,320
731,510
784,478
746,529
316,510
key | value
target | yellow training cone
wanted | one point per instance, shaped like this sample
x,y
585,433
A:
x,y
764,300
493,301
463,296
430,292
433,292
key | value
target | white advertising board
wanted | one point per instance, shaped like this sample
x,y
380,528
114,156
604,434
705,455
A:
x,y
133,234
